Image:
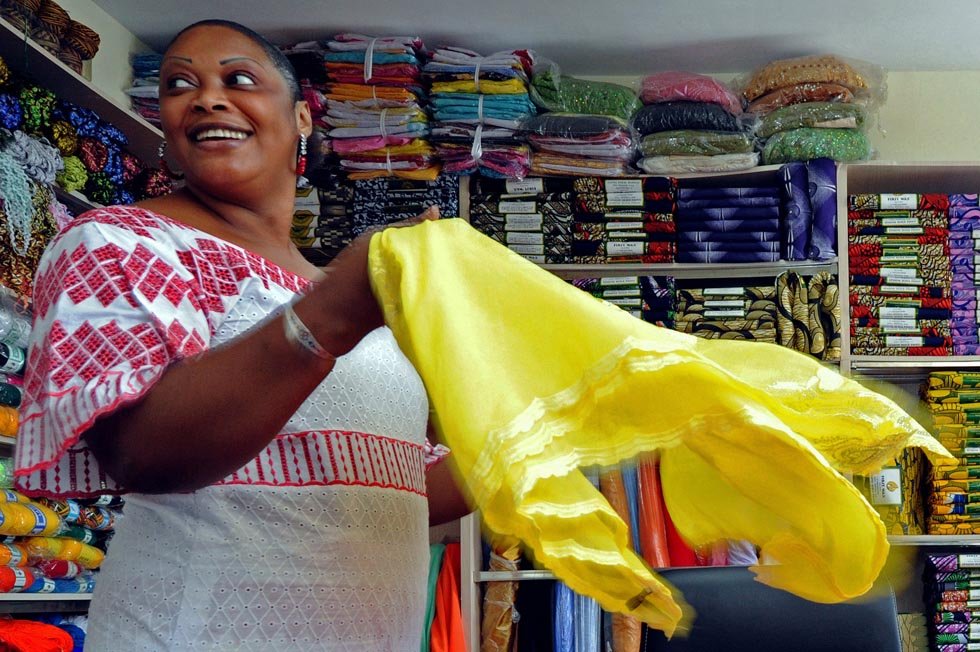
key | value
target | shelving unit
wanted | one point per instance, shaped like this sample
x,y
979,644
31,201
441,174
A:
x,y
30,60
696,270
75,201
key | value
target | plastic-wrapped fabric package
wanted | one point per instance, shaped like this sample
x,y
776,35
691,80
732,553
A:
x,y
580,144
797,211
695,143
694,164
671,116
552,90
799,93
676,85
817,69
807,143
822,115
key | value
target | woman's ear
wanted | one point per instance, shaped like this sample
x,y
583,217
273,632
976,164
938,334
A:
x,y
304,119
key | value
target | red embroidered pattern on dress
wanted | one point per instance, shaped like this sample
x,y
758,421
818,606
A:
x,y
336,457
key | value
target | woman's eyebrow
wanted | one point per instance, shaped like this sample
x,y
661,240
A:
x,y
232,59
174,56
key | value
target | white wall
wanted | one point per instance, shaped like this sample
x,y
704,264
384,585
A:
x,y
110,69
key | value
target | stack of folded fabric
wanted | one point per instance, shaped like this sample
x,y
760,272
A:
x,y
729,313
580,144
331,227
809,219
964,247
953,596
953,400
809,314
532,217
378,202
144,93
690,124
15,329
306,210
374,97
624,220
477,105
900,274
645,297
813,107
739,224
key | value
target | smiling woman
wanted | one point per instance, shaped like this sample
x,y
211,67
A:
x,y
270,430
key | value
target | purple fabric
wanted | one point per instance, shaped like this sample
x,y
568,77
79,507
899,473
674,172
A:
x,y
752,247
822,178
726,257
797,211
964,295
756,213
964,200
963,285
728,226
685,237
731,202
966,349
736,193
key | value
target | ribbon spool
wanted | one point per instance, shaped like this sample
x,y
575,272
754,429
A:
x,y
83,39
70,57
74,176
54,18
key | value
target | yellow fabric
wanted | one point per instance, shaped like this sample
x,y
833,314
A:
x,y
356,92
418,147
531,379
430,173
488,87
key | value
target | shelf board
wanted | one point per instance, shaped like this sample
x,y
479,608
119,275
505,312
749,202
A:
x,y
7,441
45,597
30,603
695,270
759,169
75,201
29,59
935,540
900,364
513,576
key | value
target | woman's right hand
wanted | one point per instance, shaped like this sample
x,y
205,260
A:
x,y
347,308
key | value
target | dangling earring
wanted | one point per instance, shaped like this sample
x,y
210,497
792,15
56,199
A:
x,y
176,176
301,159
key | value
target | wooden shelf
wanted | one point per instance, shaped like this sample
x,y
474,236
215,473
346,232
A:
x,y
23,603
935,540
513,576
30,60
718,271
7,441
884,364
45,597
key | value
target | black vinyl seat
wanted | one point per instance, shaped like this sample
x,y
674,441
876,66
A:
x,y
735,613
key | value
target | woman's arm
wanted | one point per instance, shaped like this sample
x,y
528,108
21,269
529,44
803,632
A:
x,y
446,502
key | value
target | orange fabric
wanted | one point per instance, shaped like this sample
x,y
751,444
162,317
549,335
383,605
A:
x,y
29,636
626,636
653,527
447,625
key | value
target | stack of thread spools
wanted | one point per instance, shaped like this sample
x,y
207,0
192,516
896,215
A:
x,y
50,26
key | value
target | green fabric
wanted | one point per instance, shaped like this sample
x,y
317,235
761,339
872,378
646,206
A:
x,y
556,92
812,114
695,143
436,552
806,143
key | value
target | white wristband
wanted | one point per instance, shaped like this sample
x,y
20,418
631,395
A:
x,y
300,336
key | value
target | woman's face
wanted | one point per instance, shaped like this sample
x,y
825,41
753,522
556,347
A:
x,y
226,111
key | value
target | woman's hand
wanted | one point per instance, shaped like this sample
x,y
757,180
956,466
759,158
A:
x,y
342,309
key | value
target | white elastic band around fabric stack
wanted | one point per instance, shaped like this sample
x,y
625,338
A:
x,y
476,151
476,74
369,60
374,94
388,160
384,129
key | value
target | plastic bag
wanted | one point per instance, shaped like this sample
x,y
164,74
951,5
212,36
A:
x,y
807,143
693,142
556,92
822,115
798,94
671,116
694,164
573,125
675,85
867,80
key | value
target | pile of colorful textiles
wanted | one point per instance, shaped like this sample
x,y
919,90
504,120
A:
x,y
964,233
813,107
580,144
144,94
624,220
650,298
377,202
533,217
737,224
733,313
808,314
902,290
950,597
690,123
375,107
953,400
477,105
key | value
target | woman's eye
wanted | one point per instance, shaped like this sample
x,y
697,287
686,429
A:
x,y
178,82
241,79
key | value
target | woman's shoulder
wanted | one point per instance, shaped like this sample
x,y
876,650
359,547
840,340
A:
x,y
135,219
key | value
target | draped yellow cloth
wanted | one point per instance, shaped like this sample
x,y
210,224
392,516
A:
x,y
531,379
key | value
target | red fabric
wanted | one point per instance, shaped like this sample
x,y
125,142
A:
x,y
681,554
447,625
29,636
653,530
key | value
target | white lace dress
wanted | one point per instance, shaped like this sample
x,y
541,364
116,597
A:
x,y
320,543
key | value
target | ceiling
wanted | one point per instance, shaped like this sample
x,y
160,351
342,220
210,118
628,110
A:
x,y
612,37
